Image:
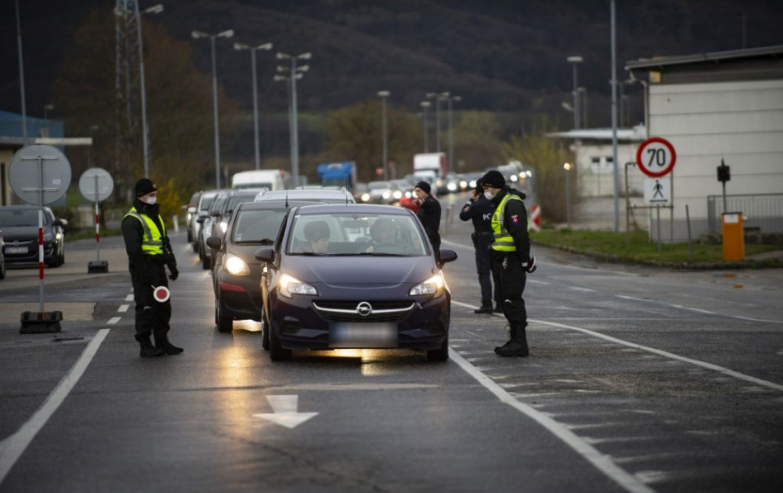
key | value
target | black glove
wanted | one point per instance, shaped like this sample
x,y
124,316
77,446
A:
x,y
174,272
531,265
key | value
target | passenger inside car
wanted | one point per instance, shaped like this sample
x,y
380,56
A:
x,y
317,236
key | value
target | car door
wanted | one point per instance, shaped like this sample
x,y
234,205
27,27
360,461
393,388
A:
x,y
269,273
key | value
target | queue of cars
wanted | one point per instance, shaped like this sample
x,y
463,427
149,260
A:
x,y
322,272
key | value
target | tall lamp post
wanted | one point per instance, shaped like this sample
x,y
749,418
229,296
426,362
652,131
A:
x,y
424,107
155,9
383,95
575,61
225,34
265,47
567,167
47,109
437,97
295,73
450,99
21,73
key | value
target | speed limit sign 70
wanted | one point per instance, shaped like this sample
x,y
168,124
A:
x,y
656,157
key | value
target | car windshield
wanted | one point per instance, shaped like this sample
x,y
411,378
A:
x,y
347,234
244,186
10,218
235,200
256,226
206,202
379,185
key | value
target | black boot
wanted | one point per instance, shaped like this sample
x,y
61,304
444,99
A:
x,y
166,347
498,308
148,350
484,309
515,347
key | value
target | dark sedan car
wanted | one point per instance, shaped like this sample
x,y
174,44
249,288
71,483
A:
x,y
237,272
356,276
20,235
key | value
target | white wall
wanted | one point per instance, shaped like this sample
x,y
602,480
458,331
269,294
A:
x,y
598,180
740,122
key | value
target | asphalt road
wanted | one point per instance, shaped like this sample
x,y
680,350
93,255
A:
x,y
639,380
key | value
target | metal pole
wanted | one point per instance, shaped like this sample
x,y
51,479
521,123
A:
x,y
658,220
690,242
97,222
426,131
40,236
437,123
215,107
144,133
21,85
255,109
627,210
295,160
724,196
452,164
614,123
385,141
568,198
576,96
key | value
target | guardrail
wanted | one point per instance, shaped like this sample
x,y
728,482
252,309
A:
x,y
763,212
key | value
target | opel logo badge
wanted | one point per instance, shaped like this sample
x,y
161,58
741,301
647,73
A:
x,y
16,242
364,309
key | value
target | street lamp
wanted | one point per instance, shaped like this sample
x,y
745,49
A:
x,y
424,107
155,9
438,97
383,95
567,167
451,142
225,34
295,73
575,60
265,47
21,74
47,109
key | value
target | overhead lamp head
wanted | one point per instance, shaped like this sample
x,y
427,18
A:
x,y
574,59
281,68
265,47
278,78
305,56
444,94
198,34
384,94
303,68
282,56
226,34
155,9
425,104
456,98
241,46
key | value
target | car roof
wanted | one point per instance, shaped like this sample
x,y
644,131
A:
x,y
353,209
272,204
23,206
305,194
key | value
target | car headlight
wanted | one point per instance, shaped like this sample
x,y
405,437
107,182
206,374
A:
x,y
289,286
386,195
223,226
408,195
398,195
236,266
514,178
59,236
452,187
365,197
432,286
472,183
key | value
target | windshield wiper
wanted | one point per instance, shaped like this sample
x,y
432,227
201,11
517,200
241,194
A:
x,y
265,241
369,254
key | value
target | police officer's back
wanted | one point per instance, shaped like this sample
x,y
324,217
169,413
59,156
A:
x,y
479,210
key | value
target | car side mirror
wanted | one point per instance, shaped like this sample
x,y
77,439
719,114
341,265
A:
x,y
214,213
266,255
60,222
446,256
214,242
201,219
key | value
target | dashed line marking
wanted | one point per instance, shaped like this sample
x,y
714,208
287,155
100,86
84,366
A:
x,y
114,320
693,309
123,308
129,297
586,290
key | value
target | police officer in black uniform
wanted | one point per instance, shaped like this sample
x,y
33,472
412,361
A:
x,y
429,214
511,258
149,252
479,210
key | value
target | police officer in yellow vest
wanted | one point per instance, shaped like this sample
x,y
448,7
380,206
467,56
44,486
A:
x,y
511,261
149,252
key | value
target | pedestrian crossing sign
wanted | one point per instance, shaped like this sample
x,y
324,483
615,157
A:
x,y
657,191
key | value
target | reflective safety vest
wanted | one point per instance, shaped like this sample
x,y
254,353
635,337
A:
x,y
504,242
153,239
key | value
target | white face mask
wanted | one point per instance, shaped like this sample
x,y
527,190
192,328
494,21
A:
x,y
489,195
151,200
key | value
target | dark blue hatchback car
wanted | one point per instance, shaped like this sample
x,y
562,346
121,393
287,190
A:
x,y
355,276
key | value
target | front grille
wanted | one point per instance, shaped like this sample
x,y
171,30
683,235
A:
x,y
382,311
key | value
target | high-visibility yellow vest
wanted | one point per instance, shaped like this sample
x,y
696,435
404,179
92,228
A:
x,y
504,242
153,239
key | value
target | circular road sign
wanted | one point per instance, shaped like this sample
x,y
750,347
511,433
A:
x,y
656,157
96,190
35,165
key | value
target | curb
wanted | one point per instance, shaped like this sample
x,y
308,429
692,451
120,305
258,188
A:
x,y
614,259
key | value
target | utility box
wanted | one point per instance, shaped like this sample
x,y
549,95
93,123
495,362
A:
x,y
733,236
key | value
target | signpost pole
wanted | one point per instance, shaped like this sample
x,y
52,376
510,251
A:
x,y
40,235
97,223
658,220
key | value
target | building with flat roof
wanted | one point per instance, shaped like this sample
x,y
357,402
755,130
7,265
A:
x,y
719,107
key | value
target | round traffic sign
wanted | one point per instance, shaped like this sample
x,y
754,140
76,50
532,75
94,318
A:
x,y
161,294
39,169
96,184
656,157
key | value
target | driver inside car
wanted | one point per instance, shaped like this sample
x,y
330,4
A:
x,y
384,237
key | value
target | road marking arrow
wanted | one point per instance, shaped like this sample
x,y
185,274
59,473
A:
x,y
285,414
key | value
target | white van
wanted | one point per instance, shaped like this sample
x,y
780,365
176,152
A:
x,y
269,179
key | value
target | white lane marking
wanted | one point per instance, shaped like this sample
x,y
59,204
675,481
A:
x,y
758,320
586,290
629,297
123,308
602,462
693,309
16,444
113,320
285,411
129,297
535,281
665,354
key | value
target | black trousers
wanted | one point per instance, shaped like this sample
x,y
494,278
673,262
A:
x,y
482,243
152,317
512,279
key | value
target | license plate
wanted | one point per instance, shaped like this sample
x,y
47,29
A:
x,y
363,335
15,250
